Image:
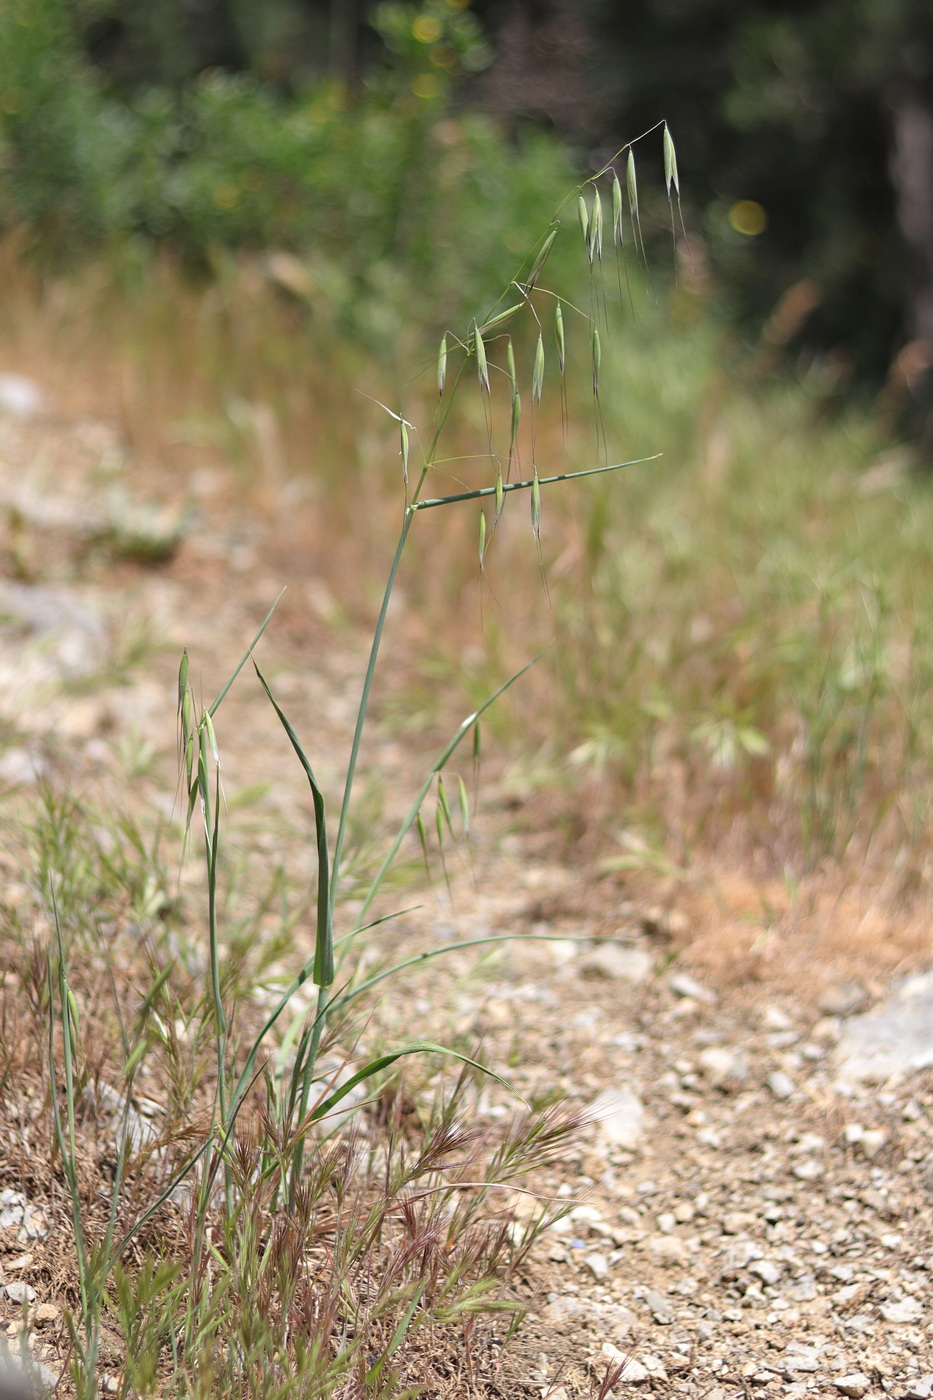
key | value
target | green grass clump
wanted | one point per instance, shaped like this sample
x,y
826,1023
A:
x,y
249,1237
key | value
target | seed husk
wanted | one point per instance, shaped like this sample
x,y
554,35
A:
x,y
632,185
531,280
537,378
403,428
670,163
482,537
594,242
536,505
510,366
442,366
584,217
559,336
597,360
482,368
617,210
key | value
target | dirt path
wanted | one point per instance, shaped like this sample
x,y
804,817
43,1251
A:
x,y
740,1222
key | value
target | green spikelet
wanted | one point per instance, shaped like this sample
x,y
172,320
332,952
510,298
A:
x,y
617,210
442,365
559,337
537,378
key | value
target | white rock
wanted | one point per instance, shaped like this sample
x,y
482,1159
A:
x,y
598,1265
20,1293
780,1084
634,1373
565,1307
854,1384
808,1170
616,963
721,1066
921,1388
798,1357
765,1270
873,1139
668,1250
907,1310
619,1115
683,985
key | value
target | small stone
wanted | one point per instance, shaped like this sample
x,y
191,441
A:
x,y
616,963
763,1268
907,1310
774,1019
586,1215
598,1265
565,1307
921,1388
798,1357
854,1384
722,1067
634,1373
619,1322
45,1314
20,1293
667,1250
853,1133
808,1170
683,985
619,1116
667,1222
661,1309
684,1211
843,998
780,1084
736,1222
20,397
111,1385
805,1290
47,1378
872,1142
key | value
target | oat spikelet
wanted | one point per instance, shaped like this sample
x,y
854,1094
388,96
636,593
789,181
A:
x,y
442,366
670,163
597,360
482,368
559,336
531,280
537,378
583,216
617,210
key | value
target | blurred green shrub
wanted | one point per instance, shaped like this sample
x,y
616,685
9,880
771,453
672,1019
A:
x,y
416,204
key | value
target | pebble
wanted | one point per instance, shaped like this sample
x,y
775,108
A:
x,y
619,1115
45,1314
763,1268
668,1250
683,985
854,1385
722,1067
907,1310
798,1357
661,1308
598,1265
634,1373
872,1142
780,1084
565,1307
616,963
20,1293
921,1388
808,1170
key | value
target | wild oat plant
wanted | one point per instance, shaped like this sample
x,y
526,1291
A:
x,y
257,1241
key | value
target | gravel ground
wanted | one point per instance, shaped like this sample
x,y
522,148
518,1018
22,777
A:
x,y
748,1207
